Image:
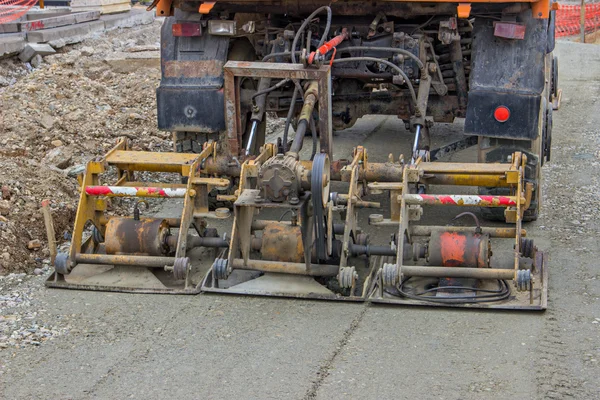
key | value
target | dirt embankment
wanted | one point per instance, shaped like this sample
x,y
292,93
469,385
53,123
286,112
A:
x,y
54,119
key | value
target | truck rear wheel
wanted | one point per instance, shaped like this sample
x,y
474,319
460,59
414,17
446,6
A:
x,y
493,150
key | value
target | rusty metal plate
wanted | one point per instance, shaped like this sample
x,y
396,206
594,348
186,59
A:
x,y
193,69
273,285
108,278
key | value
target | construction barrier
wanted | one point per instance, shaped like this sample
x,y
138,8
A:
x,y
11,10
568,19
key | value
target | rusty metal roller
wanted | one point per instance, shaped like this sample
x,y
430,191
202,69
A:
x,y
146,236
282,242
459,249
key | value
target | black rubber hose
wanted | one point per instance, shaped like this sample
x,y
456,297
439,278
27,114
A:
x,y
313,130
384,49
299,138
389,64
288,120
282,54
270,89
305,24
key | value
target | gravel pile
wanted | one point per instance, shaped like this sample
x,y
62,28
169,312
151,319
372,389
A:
x,y
23,317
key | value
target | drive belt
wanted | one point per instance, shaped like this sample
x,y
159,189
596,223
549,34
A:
x,y
316,187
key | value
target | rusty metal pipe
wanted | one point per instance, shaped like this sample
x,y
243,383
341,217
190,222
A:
x,y
132,261
446,173
359,250
508,233
197,241
260,224
286,267
342,199
466,180
457,272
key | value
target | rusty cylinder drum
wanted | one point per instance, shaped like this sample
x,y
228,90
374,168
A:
x,y
145,236
459,249
282,242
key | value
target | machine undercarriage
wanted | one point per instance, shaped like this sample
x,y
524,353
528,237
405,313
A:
x,y
291,234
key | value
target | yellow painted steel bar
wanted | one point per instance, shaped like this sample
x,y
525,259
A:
x,y
508,233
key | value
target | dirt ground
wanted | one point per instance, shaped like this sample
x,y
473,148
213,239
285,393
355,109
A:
x,y
80,345
57,117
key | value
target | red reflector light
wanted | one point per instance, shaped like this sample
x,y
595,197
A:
x,y
509,30
502,114
187,29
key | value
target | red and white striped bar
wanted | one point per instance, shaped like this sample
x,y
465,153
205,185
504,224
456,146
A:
x,y
124,191
459,200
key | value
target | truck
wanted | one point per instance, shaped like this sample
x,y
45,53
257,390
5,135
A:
x,y
493,66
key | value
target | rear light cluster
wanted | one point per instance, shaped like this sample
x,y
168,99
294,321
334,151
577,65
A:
x,y
187,29
215,27
502,113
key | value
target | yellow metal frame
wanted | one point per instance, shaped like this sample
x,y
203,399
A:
x,y
92,208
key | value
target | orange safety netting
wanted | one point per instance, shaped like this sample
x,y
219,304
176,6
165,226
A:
x,y
13,9
568,19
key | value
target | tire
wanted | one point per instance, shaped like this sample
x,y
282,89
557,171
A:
x,y
493,150
554,81
498,150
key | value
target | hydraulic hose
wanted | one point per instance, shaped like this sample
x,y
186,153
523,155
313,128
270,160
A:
x,y
288,120
310,99
305,24
299,138
385,49
282,54
389,64
270,89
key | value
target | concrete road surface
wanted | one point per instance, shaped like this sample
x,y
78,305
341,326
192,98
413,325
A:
x,y
220,347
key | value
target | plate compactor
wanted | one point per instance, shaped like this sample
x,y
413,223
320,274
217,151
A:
x,y
289,233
